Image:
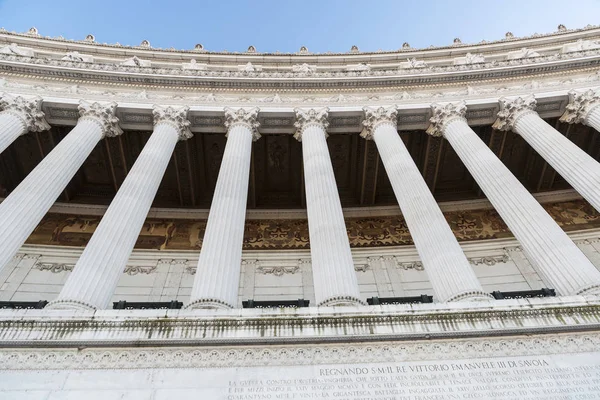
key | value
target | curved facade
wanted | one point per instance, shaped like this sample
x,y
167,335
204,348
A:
x,y
410,224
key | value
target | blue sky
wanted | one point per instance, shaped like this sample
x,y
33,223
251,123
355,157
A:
x,y
285,25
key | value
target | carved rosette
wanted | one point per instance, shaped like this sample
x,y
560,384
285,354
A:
x,y
177,117
103,114
512,110
377,116
29,111
246,117
310,117
442,115
580,105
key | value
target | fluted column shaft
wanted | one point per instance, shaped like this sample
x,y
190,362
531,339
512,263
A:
x,y
572,163
23,209
218,274
593,118
332,265
446,265
97,272
557,258
11,127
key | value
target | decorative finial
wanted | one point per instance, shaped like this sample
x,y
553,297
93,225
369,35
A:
x,y
354,49
457,41
251,49
405,45
90,38
199,47
562,28
303,50
509,35
145,43
33,31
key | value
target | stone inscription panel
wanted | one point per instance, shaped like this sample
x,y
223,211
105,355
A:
x,y
559,377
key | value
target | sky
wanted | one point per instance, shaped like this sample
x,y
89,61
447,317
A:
x,y
286,25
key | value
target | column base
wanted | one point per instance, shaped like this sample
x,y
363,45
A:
x,y
592,289
342,301
208,304
69,305
470,296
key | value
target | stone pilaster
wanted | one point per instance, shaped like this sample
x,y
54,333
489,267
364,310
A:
x,y
562,265
18,116
23,209
97,272
447,267
571,162
583,108
217,277
332,265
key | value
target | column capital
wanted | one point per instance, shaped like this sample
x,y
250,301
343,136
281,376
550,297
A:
x,y
376,116
513,109
103,114
443,114
29,111
580,105
176,117
306,118
247,117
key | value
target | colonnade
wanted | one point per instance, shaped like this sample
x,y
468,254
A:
x,y
94,278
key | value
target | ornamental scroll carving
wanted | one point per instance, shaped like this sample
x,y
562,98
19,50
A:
x,y
489,260
29,111
280,234
278,270
511,110
176,117
580,105
57,268
103,115
246,117
442,115
376,116
306,118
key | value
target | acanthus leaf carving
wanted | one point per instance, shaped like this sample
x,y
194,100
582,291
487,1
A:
x,y
305,118
246,117
580,105
444,114
177,117
103,115
512,109
376,116
29,111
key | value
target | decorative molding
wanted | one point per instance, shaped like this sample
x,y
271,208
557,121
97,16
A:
x,y
278,270
376,116
416,265
55,268
580,105
513,109
443,115
362,267
246,117
136,269
176,117
29,111
489,260
103,115
310,117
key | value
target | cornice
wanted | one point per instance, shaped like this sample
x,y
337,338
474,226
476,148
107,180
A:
x,y
145,47
288,80
56,328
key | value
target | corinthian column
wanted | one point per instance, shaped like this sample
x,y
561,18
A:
x,y
332,265
560,262
583,108
97,272
23,209
447,267
19,116
572,163
218,274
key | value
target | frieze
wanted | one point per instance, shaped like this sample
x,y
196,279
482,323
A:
x,y
278,270
489,260
307,354
274,234
57,268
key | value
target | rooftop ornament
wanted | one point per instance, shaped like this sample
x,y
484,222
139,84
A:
x,y
405,46
145,43
562,28
303,50
251,49
354,49
199,47
33,31
509,35
457,41
90,38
